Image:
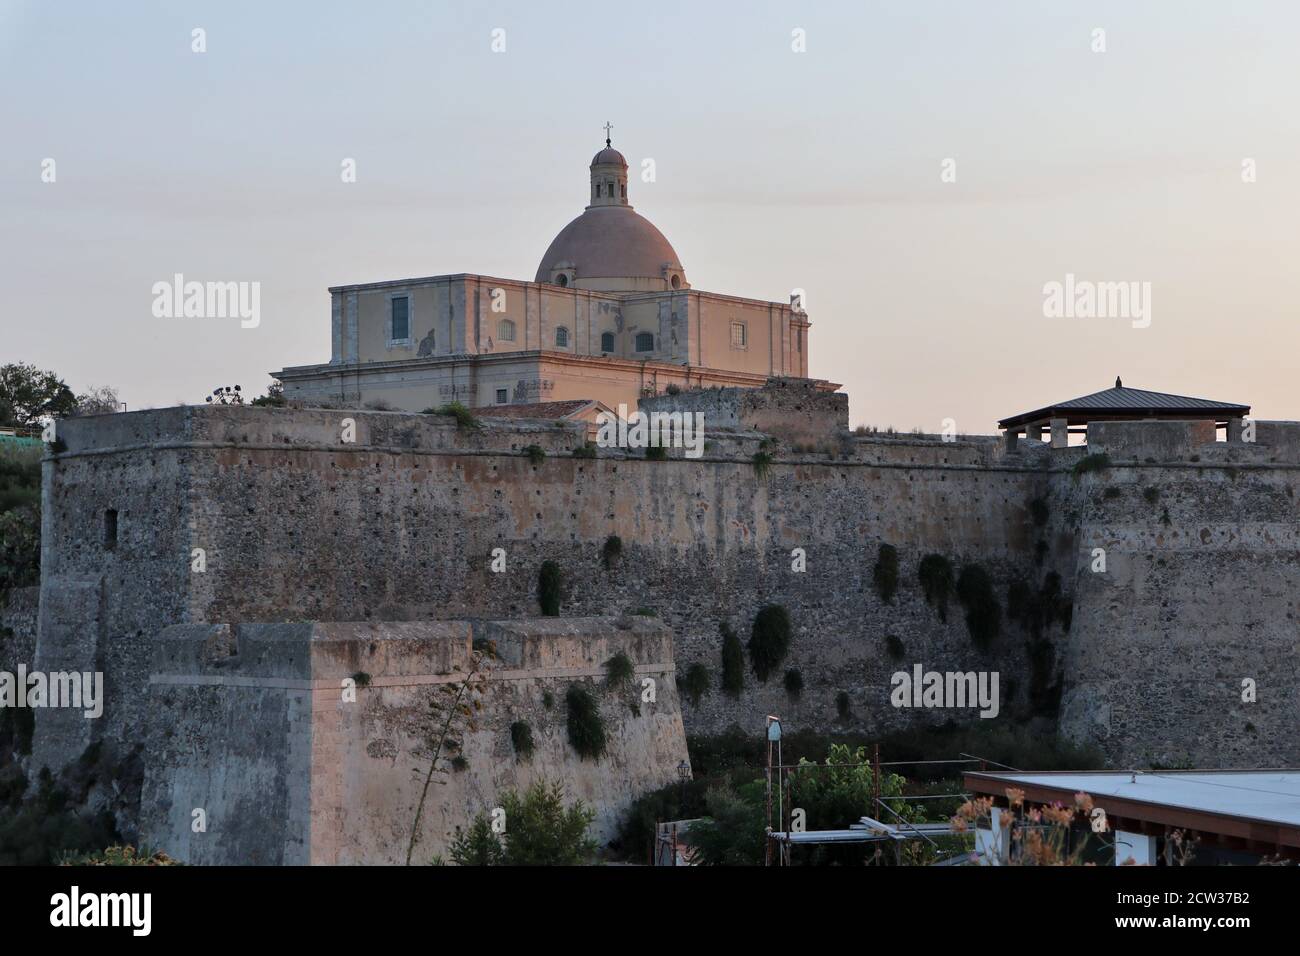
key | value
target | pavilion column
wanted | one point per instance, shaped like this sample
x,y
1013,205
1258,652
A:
x,y
1060,432
1034,432
1011,436
1236,426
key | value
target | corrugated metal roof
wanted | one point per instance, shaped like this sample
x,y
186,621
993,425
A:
x,y
1124,401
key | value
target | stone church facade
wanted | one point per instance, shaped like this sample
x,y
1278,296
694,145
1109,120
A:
x,y
609,316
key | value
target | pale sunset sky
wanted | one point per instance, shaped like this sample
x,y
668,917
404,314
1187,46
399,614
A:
x,y
775,169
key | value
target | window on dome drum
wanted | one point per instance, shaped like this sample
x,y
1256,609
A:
x,y
607,341
400,322
645,342
623,190
562,337
562,279
677,282
738,336
506,330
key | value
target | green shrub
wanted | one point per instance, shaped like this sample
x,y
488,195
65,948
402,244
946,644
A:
x,y
459,763
674,801
983,612
548,699
1038,511
885,574
361,679
465,420
769,640
732,834
936,576
794,683
762,464
536,454
550,588
894,644
1095,462
586,450
521,738
611,551
843,705
696,683
118,855
733,661
585,725
540,831
619,670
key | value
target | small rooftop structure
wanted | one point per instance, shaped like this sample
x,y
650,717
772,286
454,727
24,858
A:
x,y
1233,815
1116,404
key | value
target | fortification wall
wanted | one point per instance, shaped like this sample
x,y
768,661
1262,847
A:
x,y
1199,591
401,524
256,734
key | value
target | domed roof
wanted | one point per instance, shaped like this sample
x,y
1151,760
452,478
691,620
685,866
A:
x,y
608,242
607,156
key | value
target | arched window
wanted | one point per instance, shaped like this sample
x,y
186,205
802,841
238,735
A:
x,y
645,342
506,330
562,279
562,337
677,281
607,341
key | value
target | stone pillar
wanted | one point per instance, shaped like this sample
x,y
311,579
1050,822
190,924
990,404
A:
x,y
1011,436
1134,848
1235,428
1060,432
1034,432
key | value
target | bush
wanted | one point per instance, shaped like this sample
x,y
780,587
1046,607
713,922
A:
x,y
536,454
983,612
521,738
586,450
769,640
550,588
674,801
894,645
611,551
619,670
843,705
585,725
465,420
885,574
936,577
762,464
733,832
478,847
1089,463
696,683
793,683
120,856
733,661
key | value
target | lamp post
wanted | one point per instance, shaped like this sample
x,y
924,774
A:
x,y
683,775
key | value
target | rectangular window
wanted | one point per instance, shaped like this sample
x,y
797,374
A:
x,y
401,325
738,335
502,396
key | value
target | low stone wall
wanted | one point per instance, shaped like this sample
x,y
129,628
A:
x,y
253,730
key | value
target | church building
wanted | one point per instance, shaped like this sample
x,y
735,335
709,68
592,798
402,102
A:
x,y
610,317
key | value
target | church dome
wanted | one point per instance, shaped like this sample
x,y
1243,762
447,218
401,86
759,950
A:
x,y
610,247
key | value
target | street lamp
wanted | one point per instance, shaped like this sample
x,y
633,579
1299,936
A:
x,y
683,775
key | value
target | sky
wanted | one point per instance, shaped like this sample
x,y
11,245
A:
x,y
922,169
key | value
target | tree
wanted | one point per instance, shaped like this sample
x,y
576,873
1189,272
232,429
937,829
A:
x,y
29,395
97,400
539,831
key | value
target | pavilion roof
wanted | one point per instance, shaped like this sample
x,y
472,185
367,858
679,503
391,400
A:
x,y
1120,402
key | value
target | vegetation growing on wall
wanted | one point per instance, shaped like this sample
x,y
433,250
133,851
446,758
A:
x,y
536,454
1090,463
465,420
733,661
550,588
611,551
983,612
762,464
585,725
884,576
619,670
843,705
793,683
936,576
521,738
585,450
894,644
769,640
696,682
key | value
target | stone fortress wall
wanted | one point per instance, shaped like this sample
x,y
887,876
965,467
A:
x,y
400,525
